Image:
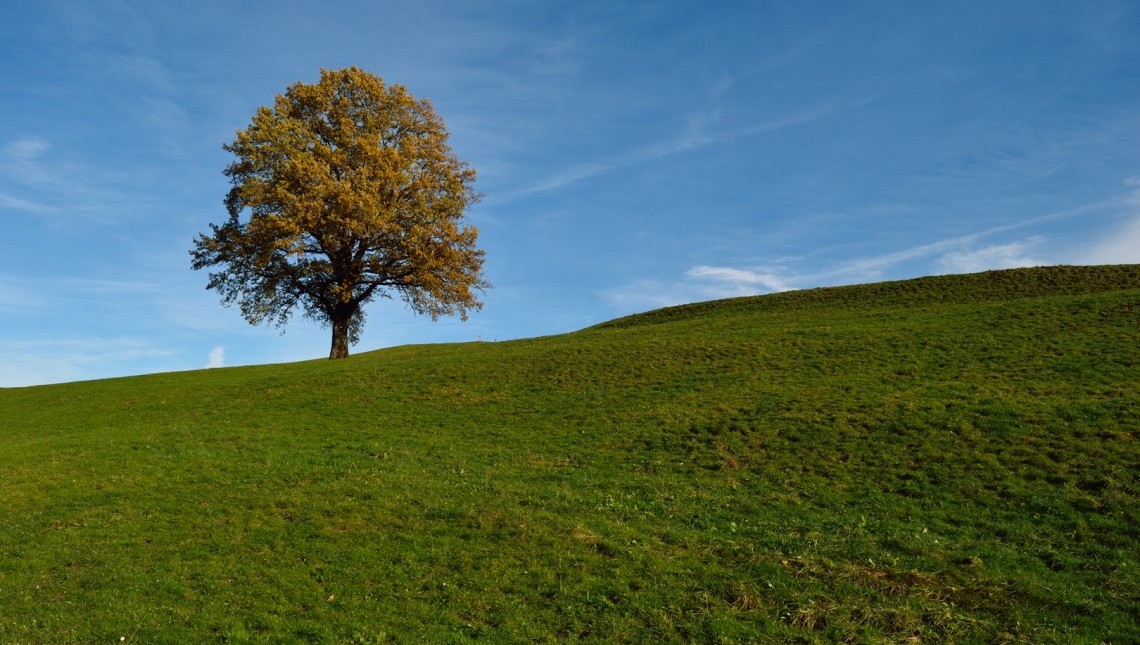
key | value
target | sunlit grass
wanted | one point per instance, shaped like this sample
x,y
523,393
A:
x,y
943,460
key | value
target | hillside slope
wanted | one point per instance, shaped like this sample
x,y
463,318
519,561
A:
x,y
950,459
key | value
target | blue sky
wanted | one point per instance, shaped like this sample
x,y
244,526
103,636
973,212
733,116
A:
x,y
633,155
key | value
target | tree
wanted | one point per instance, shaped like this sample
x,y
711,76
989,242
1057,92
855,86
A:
x,y
352,194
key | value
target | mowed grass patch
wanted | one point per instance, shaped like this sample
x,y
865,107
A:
x,y
945,460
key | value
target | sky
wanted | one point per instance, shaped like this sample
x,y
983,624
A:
x,y
632,155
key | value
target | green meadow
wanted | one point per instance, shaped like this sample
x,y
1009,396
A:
x,y
943,460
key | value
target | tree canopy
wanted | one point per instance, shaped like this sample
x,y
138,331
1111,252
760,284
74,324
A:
x,y
352,193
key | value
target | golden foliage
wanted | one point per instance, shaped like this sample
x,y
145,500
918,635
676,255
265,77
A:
x,y
352,193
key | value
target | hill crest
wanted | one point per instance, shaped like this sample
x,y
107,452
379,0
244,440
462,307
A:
x,y
986,286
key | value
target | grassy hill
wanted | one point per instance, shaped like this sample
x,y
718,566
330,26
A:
x,y
949,459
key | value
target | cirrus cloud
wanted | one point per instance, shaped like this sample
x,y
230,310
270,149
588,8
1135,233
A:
x,y
743,282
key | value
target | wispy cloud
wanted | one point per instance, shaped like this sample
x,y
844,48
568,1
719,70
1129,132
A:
x,y
739,281
61,297
33,180
959,254
803,116
650,294
1122,244
158,103
20,204
16,297
960,249
699,131
25,150
22,170
699,283
33,362
998,256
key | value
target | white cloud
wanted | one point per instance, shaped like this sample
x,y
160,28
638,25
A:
x,y
998,256
955,251
739,281
216,358
27,148
950,255
700,283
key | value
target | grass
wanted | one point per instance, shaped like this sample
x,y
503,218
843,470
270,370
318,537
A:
x,y
949,459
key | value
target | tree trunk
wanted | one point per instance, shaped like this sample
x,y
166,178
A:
x,y
340,324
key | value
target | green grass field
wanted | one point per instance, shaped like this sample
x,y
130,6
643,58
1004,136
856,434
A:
x,y
944,460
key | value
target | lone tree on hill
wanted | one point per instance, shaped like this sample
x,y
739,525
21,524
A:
x,y
352,193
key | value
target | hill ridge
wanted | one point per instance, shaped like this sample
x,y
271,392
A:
x,y
1000,284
